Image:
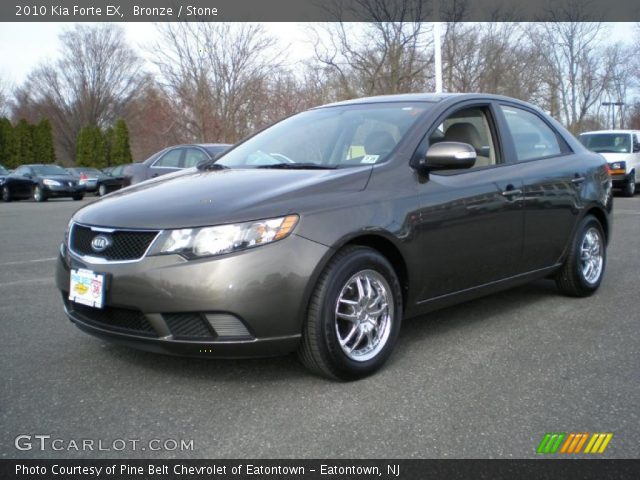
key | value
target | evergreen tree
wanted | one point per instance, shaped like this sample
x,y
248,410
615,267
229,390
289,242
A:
x,y
108,144
24,141
90,151
7,144
44,151
120,149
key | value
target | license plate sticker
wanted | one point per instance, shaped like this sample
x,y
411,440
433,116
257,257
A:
x,y
87,288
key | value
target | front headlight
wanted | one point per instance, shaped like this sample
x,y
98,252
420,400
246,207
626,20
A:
x,y
208,241
617,166
51,183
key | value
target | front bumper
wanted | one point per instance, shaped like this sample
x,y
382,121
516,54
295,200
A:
x,y
64,190
264,289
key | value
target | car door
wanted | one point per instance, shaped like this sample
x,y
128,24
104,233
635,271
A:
x,y
470,221
23,182
552,179
170,161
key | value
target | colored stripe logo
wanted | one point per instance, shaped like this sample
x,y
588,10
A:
x,y
574,443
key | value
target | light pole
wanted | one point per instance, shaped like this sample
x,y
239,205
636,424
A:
x,y
612,108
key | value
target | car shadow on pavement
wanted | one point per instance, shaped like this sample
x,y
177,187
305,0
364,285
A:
x,y
486,310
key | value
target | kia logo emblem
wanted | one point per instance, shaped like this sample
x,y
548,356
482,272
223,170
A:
x,y
100,243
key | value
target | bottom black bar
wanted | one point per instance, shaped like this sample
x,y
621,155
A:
x,y
318,469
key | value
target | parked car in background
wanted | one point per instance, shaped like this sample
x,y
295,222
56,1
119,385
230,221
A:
x,y
41,182
95,180
322,232
621,149
3,174
117,175
172,159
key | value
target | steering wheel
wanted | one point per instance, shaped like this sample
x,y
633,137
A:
x,y
281,157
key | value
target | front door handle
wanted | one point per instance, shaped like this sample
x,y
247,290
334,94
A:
x,y
577,180
512,192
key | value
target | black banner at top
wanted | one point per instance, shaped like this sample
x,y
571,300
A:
x,y
317,10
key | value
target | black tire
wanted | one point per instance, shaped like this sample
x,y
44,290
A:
x,y
38,194
571,279
320,350
629,189
102,190
78,197
6,194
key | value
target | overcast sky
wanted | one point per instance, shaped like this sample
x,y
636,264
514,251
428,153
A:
x,y
24,45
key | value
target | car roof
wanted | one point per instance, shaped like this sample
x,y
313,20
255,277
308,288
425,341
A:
x,y
423,97
610,131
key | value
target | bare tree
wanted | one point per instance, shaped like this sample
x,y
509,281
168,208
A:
x,y
389,53
96,75
217,75
574,61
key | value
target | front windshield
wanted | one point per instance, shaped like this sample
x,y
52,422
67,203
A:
x,y
49,170
607,142
329,137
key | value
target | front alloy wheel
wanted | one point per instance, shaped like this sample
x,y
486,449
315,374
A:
x,y
629,189
6,194
38,194
102,190
354,315
364,312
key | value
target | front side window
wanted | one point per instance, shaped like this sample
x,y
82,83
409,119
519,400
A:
x,y
170,159
607,142
532,137
193,157
331,137
470,126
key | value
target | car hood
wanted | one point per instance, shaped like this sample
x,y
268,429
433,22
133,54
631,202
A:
x,y
59,178
195,198
616,157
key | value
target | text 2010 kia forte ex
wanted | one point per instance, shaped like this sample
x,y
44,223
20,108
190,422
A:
x,y
322,232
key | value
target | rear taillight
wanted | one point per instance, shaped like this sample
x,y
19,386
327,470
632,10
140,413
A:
x,y
83,176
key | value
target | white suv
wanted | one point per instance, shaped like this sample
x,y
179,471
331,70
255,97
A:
x,y
621,149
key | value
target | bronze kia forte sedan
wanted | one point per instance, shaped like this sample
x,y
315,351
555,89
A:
x,y
322,232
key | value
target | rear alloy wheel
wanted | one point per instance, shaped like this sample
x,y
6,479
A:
x,y
354,316
6,194
583,268
629,189
102,190
38,194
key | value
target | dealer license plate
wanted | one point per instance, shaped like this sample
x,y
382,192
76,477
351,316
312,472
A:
x,y
87,288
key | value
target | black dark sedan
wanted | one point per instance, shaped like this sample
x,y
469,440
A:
x,y
172,159
97,181
323,232
41,182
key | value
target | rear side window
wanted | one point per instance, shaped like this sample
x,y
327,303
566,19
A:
x,y
532,137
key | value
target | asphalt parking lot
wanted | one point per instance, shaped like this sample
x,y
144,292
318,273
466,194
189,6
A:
x,y
486,379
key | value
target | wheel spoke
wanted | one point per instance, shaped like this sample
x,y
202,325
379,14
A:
x,y
358,340
344,341
360,288
351,317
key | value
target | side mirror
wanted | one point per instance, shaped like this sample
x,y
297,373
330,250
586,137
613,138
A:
x,y
448,156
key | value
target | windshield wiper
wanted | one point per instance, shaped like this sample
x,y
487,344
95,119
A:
x,y
299,166
211,165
